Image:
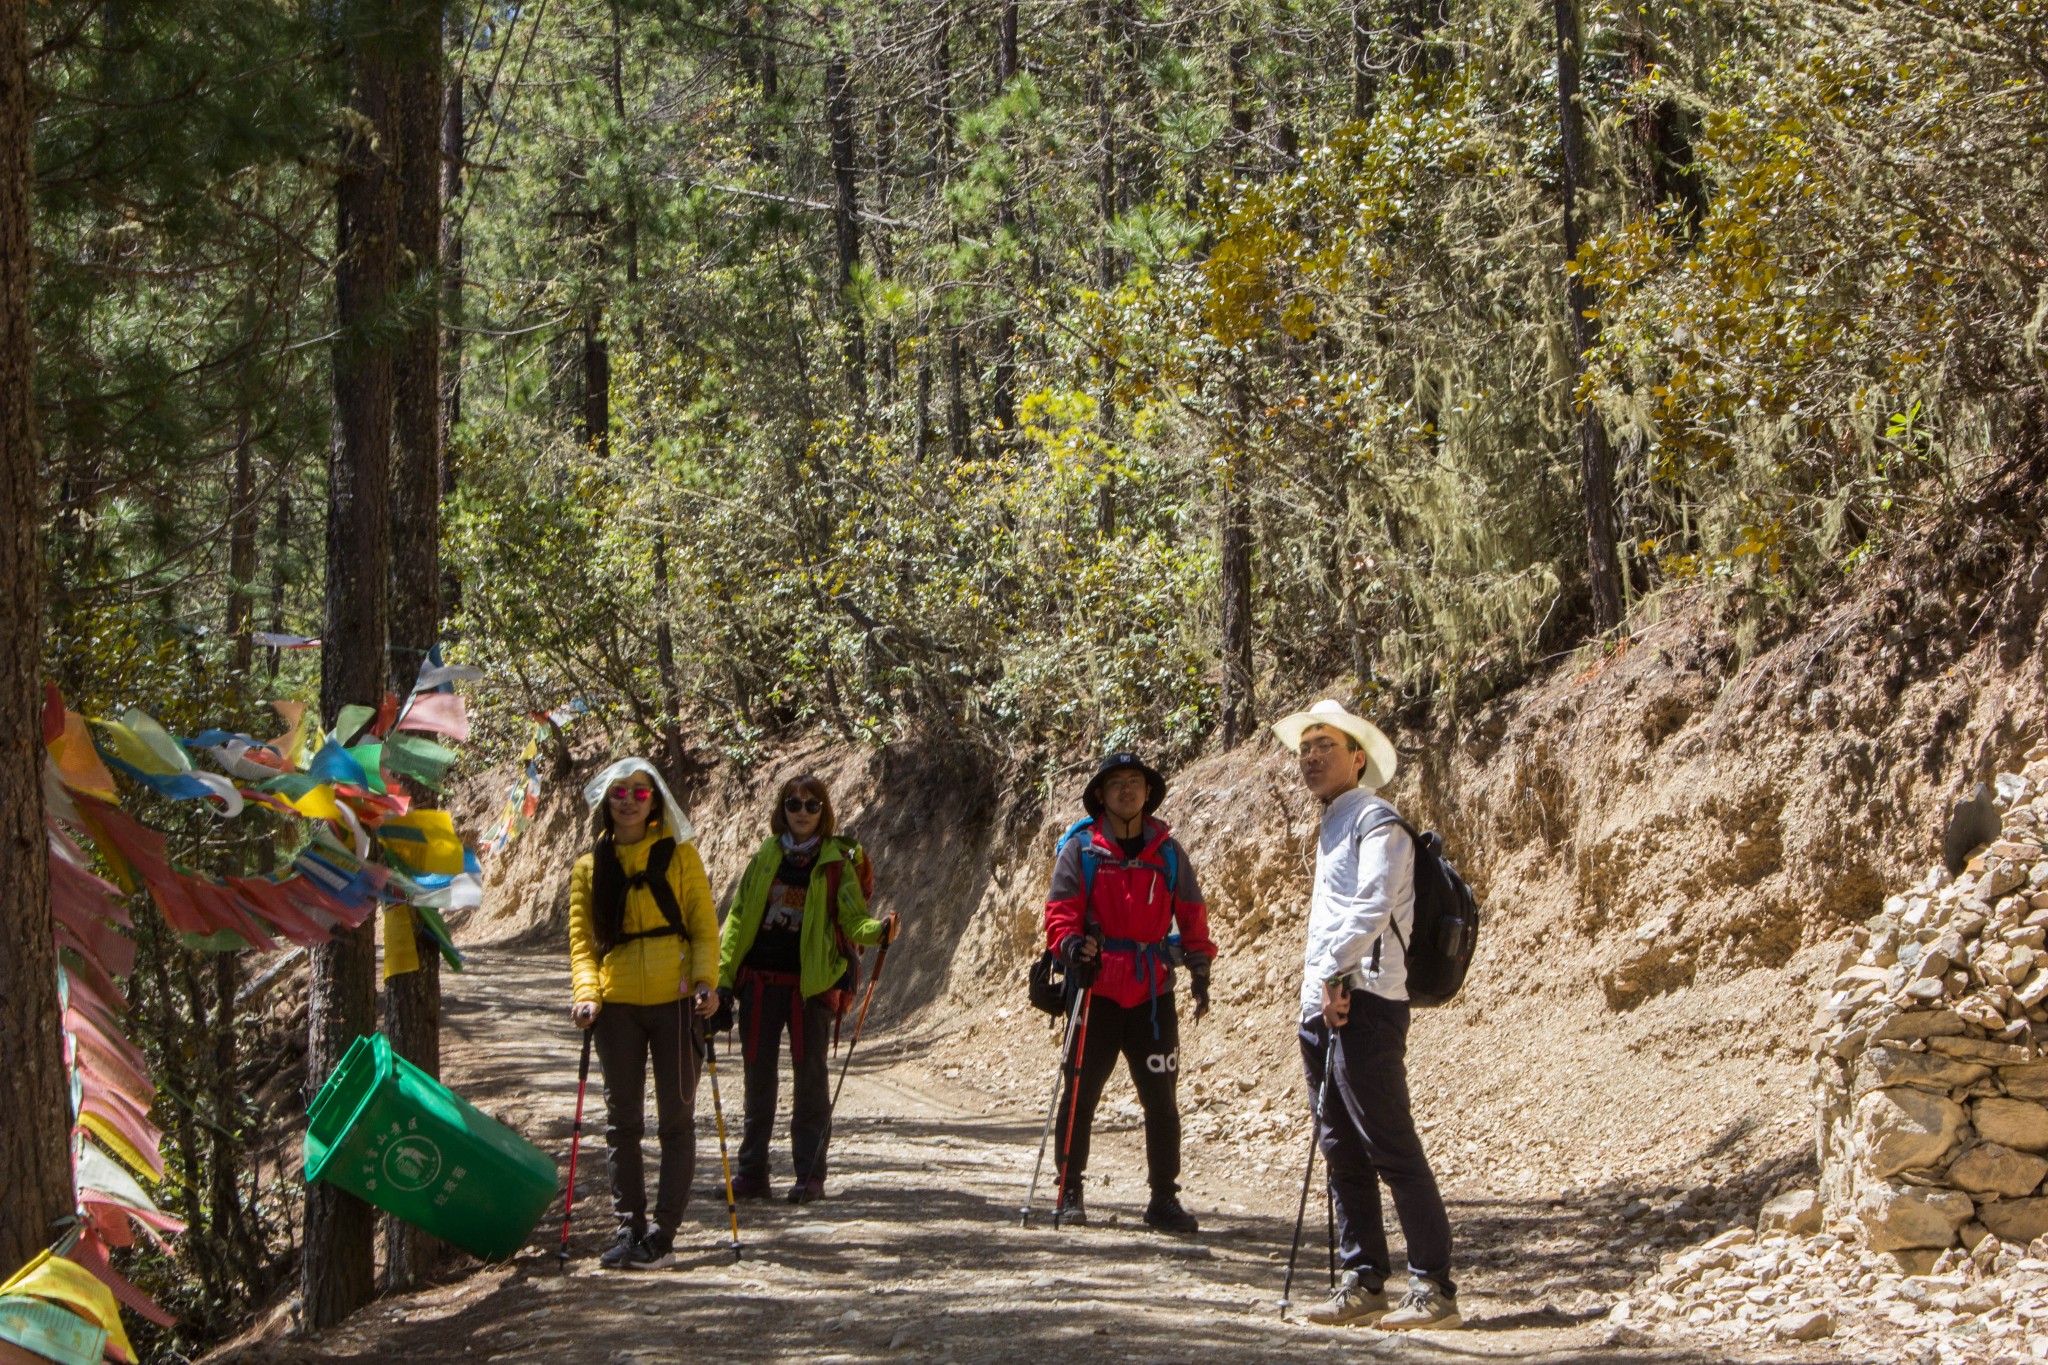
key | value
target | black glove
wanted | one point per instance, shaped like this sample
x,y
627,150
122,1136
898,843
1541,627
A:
x,y
720,1020
1082,956
1198,981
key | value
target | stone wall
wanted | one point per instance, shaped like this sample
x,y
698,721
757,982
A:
x,y
1933,1053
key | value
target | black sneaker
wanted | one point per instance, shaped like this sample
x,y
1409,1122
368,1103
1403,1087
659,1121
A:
x,y
1166,1214
1071,1213
615,1256
655,1251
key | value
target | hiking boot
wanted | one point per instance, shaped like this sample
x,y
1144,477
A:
x,y
615,1256
804,1191
750,1187
1351,1304
1167,1215
655,1251
1071,1213
1424,1306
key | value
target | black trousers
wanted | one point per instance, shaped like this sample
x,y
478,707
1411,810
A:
x,y
1368,1135
627,1037
766,1012
1126,1031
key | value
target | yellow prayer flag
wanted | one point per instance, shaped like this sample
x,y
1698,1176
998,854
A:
x,y
401,943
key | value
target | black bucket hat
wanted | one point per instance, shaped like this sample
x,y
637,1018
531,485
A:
x,y
1155,785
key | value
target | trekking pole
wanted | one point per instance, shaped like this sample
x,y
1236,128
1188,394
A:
x,y
575,1141
1080,1053
732,1208
1052,1110
1315,1132
847,1061
1330,1224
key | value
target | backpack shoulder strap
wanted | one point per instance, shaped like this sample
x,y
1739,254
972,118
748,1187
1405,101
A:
x,y
1082,829
1385,818
658,859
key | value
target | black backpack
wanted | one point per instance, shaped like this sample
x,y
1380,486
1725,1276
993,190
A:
x,y
1446,931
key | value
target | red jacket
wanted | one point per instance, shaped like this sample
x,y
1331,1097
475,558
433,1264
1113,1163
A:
x,y
1131,901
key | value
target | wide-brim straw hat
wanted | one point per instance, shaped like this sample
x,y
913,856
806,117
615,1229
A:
x,y
1380,758
672,815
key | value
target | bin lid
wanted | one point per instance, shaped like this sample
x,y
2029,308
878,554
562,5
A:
x,y
350,1088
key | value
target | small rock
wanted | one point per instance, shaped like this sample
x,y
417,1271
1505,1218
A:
x,y
2015,1220
2011,1123
1906,1129
1901,1218
1797,1212
1911,1024
1989,1168
1811,1326
1884,1067
2027,1082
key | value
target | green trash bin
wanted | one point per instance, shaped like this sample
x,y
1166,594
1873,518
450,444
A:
x,y
389,1133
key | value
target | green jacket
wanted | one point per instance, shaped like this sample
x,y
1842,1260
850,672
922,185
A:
x,y
822,962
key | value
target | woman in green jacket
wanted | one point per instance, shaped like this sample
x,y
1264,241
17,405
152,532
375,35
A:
x,y
784,955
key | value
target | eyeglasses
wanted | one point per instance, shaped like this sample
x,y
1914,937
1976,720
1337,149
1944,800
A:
x,y
1321,748
809,805
623,792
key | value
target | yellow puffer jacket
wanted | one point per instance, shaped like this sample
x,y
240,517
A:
x,y
645,971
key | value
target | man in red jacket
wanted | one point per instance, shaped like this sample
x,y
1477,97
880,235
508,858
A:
x,y
1120,886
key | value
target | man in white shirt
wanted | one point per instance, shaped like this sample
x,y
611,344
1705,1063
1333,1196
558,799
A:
x,y
1354,1019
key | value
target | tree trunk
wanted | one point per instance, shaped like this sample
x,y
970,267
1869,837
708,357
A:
x,y
1003,388
337,1270
1234,578
453,148
1364,80
839,116
1596,456
597,387
242,555
1240,712
280,546
1108,268
412,1000
35,1148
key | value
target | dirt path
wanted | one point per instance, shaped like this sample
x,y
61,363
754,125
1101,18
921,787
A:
x,y
916,1254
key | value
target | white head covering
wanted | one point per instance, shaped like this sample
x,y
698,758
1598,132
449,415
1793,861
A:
x,y
672,815
1380,759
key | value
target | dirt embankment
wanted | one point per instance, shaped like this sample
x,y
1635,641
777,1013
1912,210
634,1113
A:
x,y
1670,842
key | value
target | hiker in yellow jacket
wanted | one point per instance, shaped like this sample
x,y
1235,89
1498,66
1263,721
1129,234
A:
x,y
643,954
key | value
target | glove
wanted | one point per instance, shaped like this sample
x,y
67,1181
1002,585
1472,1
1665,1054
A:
x,y
720,1020
1083,959
1198,983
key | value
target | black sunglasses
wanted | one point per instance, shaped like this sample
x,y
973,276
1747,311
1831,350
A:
x,y
810,805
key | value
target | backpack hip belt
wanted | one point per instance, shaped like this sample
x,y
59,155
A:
x,y
756,983
1158,953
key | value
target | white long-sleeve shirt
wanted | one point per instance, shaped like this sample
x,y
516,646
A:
x,y
1363,883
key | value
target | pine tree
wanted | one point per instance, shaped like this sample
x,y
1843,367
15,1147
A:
x,y
35,1166
342,993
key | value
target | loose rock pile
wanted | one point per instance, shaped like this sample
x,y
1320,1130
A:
x,y
1781,1285
1932,1070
